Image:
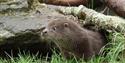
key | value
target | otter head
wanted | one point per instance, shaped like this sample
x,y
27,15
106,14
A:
x,y
60,28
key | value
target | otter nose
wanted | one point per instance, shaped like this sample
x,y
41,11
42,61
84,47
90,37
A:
x,y
44,32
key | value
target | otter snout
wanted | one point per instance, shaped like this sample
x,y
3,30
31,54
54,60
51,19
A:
x,y
44,32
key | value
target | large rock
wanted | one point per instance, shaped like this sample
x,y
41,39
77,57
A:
x,y
22,31
10,7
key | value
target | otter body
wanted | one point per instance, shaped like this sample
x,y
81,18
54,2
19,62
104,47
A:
x,y
72,39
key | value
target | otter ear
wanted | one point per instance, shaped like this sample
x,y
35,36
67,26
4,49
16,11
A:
x,y
66,25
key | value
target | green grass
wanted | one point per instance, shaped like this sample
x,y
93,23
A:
x,y
114,51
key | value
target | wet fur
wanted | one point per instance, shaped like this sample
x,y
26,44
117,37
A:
x,y
67,2
73,40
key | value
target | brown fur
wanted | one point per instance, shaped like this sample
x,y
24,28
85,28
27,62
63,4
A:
x,y
67,2
72,39
118,6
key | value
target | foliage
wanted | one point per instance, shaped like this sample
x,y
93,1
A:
x,y
114,54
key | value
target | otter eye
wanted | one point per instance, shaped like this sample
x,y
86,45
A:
x,y
66,24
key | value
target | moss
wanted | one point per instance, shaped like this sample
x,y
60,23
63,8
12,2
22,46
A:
x,y
11,11
5,0
1,40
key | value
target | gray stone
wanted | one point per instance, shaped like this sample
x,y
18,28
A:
x,y
23,31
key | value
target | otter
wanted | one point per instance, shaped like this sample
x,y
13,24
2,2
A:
x,y
72,39
118,6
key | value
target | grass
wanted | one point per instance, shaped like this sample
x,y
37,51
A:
x,y
114,54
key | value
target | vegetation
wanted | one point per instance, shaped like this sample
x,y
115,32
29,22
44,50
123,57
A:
x,y
114,54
